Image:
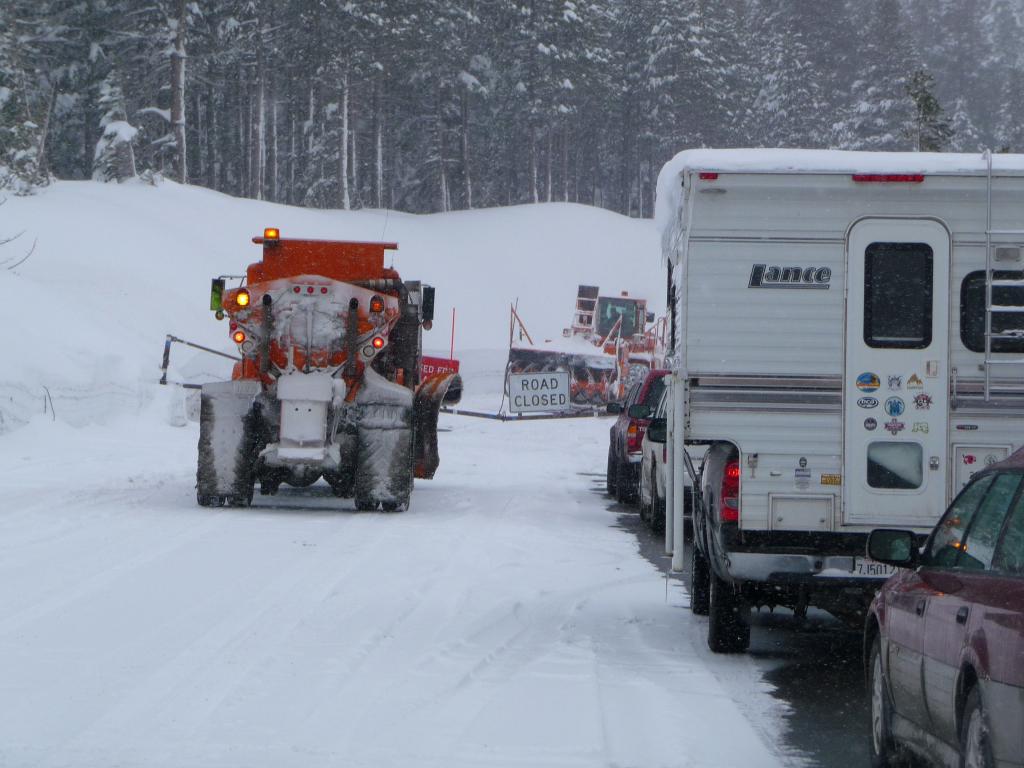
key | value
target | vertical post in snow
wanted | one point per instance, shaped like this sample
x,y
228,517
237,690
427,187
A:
x,y
670,463
451,351
678,469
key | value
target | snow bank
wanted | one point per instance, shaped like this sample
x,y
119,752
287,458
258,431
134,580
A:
x,y
116,267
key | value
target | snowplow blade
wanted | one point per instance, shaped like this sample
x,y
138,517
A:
x,y
430,396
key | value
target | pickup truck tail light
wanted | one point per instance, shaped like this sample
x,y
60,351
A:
x,y
729,510
635,436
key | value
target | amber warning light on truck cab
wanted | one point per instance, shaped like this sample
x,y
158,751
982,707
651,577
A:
x,y
271,233
242,298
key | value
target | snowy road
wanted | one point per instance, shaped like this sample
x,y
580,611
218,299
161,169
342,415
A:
x,y
505,620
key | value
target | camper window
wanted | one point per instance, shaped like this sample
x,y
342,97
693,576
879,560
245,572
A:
x,y
898,295
895,466
972,312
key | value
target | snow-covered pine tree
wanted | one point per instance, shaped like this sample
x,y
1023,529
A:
x,y
789,104
929,129
114,158
879,111
20,131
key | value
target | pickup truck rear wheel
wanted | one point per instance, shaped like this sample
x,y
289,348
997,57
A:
x,y
700,583
728,627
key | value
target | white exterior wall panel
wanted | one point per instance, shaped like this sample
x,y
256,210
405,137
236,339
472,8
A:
x,y
735,329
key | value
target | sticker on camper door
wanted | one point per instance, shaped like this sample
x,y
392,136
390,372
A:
x,y
914,382
894,427
870,425
922,401
895,383
868,382
895,406
867,402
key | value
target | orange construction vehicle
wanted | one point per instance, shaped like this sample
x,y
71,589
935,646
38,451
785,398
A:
x,y
328,384
613,341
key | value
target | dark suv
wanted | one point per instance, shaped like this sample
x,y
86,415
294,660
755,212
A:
x,y
944,640
624,450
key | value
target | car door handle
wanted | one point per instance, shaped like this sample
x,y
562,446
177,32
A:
x,y
961,615
919,609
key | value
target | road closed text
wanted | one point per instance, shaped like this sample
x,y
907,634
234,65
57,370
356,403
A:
x,y
538,391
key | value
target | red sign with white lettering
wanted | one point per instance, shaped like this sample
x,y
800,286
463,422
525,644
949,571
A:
x,y
432,366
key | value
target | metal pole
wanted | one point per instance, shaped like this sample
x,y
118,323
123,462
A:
x,y
670,473
679,407
988,278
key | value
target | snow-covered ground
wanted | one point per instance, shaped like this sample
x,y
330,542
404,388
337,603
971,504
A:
x,y
505,620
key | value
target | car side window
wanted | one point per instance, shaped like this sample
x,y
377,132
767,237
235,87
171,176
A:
x,y
1010,552
977,551
654,391
631,395
946,540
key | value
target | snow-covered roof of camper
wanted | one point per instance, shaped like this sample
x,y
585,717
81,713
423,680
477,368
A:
x,y
820,161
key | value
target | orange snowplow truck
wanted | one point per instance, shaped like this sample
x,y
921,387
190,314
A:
x,y
329,379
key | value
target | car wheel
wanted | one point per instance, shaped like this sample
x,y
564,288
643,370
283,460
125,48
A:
x,y
728,625
882,749
622,483
975,746
700,583
609,478
366,504
657,511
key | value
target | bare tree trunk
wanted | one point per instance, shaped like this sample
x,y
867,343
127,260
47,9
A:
x,y
346,200
272,180
213,160
378,118
467,179
178,92
443,172
533,165
565,163
549,165
354,136
260,144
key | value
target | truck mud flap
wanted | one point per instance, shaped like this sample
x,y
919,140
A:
x,y
445,389
230,428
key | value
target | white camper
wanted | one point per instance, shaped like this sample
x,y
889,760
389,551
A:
x,y
848,332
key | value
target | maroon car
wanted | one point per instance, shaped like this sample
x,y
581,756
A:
x,y
626,434
944,641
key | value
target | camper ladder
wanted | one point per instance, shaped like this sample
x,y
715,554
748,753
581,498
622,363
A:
x,y
1016,333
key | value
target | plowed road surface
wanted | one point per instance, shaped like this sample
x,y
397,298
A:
x,y
504,620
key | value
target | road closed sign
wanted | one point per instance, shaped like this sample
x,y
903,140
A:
x,y
539,391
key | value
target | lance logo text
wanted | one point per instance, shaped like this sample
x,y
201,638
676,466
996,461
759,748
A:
x,y
768,276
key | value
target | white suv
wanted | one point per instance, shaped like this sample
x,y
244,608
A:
x,y
654,457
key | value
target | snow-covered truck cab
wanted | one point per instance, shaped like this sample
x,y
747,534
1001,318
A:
x,y
849,338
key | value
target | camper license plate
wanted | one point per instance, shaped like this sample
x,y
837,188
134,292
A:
x,y
868,568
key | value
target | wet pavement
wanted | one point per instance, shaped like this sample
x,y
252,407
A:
x,y
814,665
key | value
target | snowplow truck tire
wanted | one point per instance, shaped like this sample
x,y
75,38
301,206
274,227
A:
x,y
230,429
445,389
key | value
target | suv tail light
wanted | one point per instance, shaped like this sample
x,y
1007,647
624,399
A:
x,y
729,511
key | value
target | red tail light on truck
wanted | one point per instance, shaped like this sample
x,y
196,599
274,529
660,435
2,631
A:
x,y
729,511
